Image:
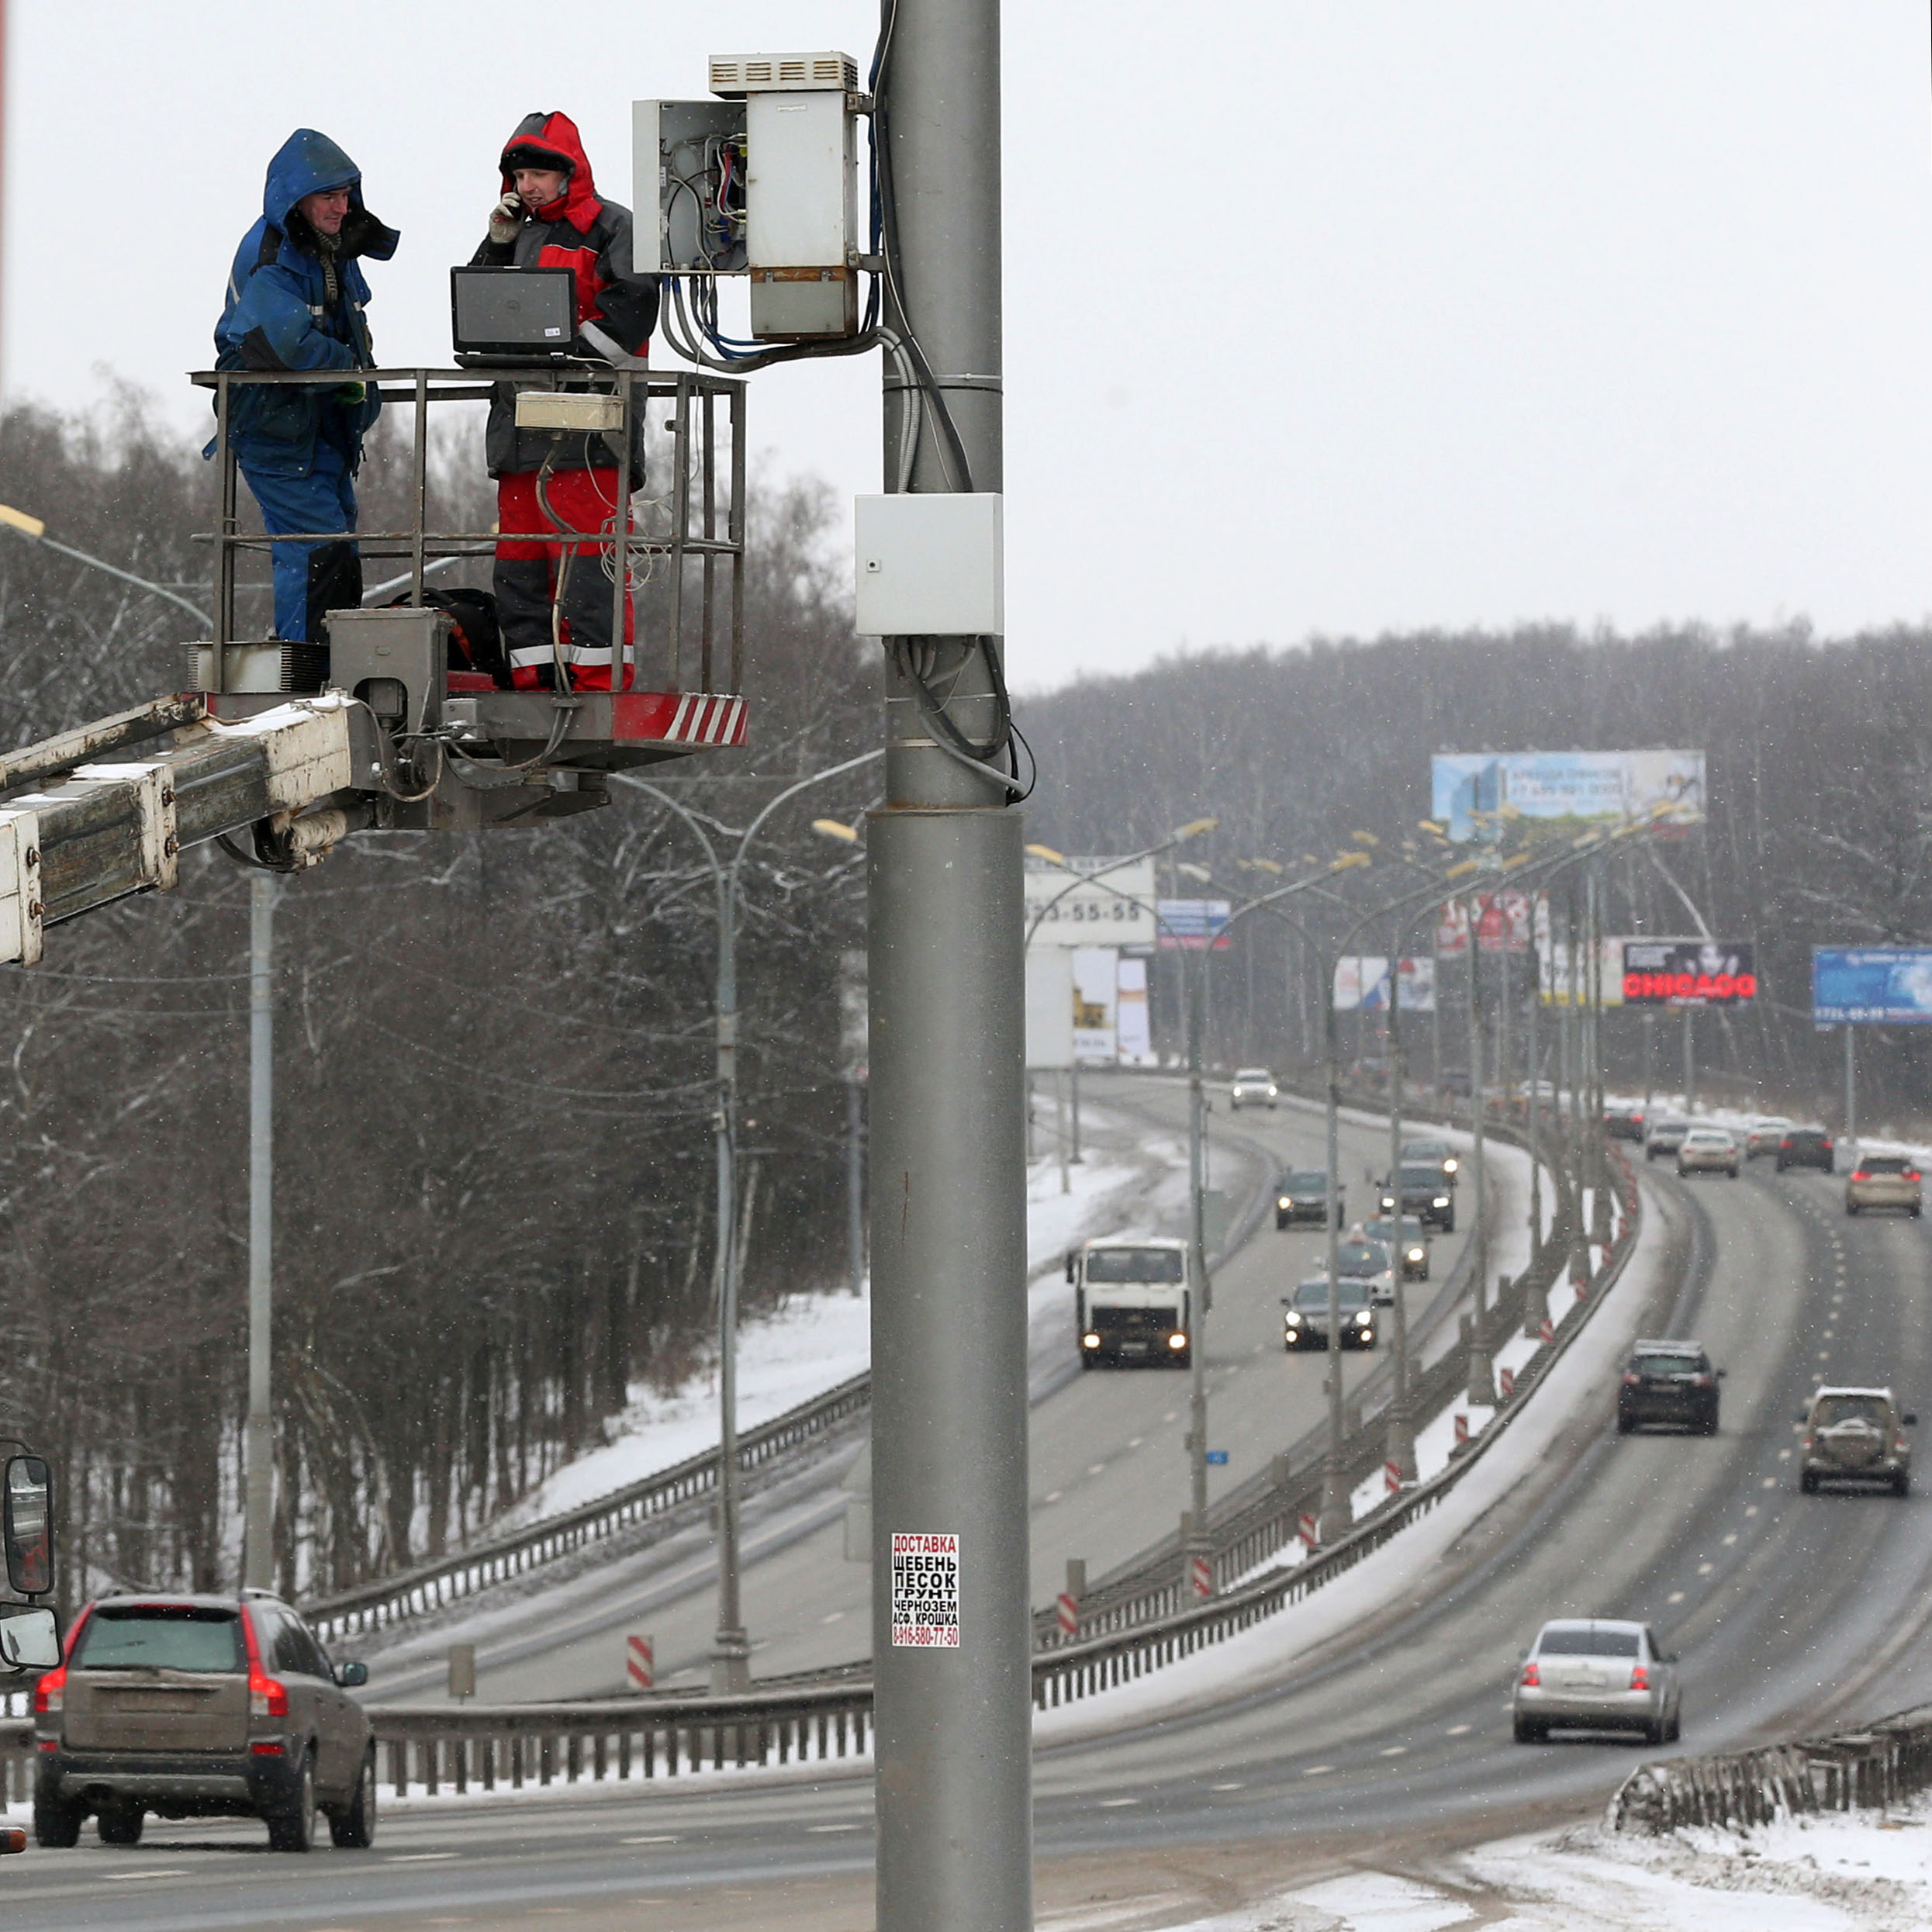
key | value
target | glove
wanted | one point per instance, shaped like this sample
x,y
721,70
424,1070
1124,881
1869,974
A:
x,y
351,392
506,218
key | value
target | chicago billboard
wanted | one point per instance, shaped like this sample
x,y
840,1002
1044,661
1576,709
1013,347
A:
x,y
1688,973
1473,793
1871,986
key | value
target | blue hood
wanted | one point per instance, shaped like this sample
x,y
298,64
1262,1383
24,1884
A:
x,y
307,163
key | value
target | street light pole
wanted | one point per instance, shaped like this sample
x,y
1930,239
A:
x,y
258,1552
1399,1450
1482,1383
730,1648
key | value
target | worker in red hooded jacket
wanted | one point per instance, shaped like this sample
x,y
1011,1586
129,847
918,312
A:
x,y
554,598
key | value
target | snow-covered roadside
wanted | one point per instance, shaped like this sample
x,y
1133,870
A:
x,y
1270,1652
816,1342
1853,1871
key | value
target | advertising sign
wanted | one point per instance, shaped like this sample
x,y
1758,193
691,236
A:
x,y
1049,1007
1871,986
1361,982
1502,924
1131,1025
1095,990
1473,793
925,1590
1090,902
1558,986
1688,973
1193,925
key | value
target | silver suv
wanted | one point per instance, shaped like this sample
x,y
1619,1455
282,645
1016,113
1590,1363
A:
x,y
1593,1675
1855,1435
198,1707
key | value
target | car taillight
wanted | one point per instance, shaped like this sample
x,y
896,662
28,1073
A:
x,y
1639,1677
1860,1174
1784,1146
1703,1381
1531,1676
1631,1378
1911,1174
49,1693
268,1696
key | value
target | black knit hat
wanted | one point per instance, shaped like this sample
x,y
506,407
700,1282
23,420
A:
x,y
526,155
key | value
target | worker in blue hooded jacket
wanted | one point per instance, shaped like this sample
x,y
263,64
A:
x,y
295,300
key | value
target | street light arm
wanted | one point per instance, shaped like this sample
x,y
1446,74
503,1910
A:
x,y
33,530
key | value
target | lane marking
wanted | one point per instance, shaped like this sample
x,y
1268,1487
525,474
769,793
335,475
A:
x,y
1116,1804
1731,1537
1054,1496
1096,1469
831,1827
1460,1730
1783,1455
1676,1596
418,1857
1751,1509
160,1872
657,1839
1393,1751
1226,1787
833,1618
1134,1442
1315,1770
1171,1416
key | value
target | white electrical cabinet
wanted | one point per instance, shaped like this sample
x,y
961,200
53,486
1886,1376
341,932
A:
x,y
763,182
929,565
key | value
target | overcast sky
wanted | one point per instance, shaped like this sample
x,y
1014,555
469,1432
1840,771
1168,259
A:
x,y
1320,318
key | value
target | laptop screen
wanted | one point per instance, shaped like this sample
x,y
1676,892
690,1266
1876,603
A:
x,y
519,312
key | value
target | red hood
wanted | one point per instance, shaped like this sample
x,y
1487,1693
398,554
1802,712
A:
x,y
556,134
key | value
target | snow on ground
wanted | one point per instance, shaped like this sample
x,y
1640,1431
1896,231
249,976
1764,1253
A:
x,y
1845,1872
816,1342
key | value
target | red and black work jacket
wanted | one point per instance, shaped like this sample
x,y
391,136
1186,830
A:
x,y
592,237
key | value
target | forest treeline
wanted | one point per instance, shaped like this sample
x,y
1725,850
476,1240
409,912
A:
x,y
1820,829
494,1058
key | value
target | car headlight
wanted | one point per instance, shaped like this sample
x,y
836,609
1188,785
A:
x,y
1090,1341
1176,1341
1284,1202
1363,1319
1441,1200
1293,1321
1449,1166
1416,1254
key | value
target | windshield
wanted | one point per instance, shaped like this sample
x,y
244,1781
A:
x,y
1134,1264
1424,1150
163,1637
1883,1164
1305,1184
1833,1409
1351,1293
1575,1641
1361,1257
1253,1073
1419,1177
1668,1365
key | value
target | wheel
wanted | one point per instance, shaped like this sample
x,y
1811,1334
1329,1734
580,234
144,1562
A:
x,y
1183,1358
1657,1733
1851,1207
1086,1361
1913,1211
1808,1482
1675,1730
353,1827
1709,1427
1624,1424
120,1823
1901,1482
57,1824
1529,1730
294,1830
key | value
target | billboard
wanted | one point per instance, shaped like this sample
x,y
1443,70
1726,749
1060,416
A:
x,y
1193,925
1090,902
1688,973
1049,1007
1131,1020
1557,982
1472,792
1871,986
1503,924
1361,983
1095,992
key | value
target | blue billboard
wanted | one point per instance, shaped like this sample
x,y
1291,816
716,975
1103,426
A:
x,y
1471,792
1871,986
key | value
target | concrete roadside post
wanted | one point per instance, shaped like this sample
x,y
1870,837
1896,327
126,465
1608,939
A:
x,y
258,1552
951,1630
1535,1300
1482,1382
462,1671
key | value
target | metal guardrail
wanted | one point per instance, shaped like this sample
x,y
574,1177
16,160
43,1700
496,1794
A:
x,y
375,1605
1848,1770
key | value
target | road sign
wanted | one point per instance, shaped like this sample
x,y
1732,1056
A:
x,y
1871,986
1067,1609
1201,1575
1306,1529
1193,925
640,1661
1218,1456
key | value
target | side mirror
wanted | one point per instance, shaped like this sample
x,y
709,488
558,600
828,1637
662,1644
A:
x,y
352,1677
1911,1419
1801,1416
26,1526
1672,1657
29,1637
1721,1373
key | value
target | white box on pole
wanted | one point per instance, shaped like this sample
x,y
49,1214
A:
x,y
929,565
1049,1007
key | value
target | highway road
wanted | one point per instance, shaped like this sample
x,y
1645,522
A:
x,y
1109,1475
1790,1611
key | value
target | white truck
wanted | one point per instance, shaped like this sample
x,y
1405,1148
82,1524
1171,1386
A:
x,y
1133,1302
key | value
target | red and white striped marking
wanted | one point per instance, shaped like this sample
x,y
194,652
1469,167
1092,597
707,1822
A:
x,y
1067,1609
1392,1477
1547,1333
1307,1532
1201,1575
1462,1431
703,718
640,1661
1506,1380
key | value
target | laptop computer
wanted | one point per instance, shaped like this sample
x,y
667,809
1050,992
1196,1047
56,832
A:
x,y
513,315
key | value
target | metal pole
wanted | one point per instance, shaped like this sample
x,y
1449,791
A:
x,y
1073,1074
258,1553
1059,1129
1851,1092
1650,1077
1338,1508
1690,1061
1193,975
1482,1382
730,1648
953,1713
1399,1447
1535,1301
855,1180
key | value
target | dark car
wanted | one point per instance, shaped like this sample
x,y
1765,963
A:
x,y
1305,1197
1669,1382
1419,1151
1305,1323
201,1707
1427,1193
1624,1120
1805,1147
